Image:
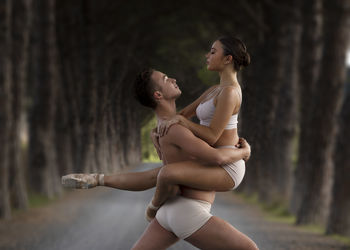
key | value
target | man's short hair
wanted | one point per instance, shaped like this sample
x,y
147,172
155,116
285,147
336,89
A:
x,y
144,88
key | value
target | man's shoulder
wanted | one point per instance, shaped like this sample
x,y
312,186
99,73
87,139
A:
x,y
175,128
177,131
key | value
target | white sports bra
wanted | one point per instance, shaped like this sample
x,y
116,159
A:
x,y
205,113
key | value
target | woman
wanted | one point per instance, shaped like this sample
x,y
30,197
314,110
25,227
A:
x,y
217,109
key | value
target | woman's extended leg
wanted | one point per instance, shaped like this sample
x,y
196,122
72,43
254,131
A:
x,y
155,237
191,174
132,181
218,234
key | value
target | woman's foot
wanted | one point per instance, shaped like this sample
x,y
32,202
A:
x,y
82,181
151,212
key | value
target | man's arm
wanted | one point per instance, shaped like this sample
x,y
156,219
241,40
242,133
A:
x,y
194,146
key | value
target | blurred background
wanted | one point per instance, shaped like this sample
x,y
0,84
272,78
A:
x,y
66,105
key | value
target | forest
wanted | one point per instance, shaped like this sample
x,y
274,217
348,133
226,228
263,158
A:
x,y
66,105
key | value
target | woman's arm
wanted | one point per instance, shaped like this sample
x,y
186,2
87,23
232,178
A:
x,y
225,106
190,110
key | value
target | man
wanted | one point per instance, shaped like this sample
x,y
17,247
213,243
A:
x,y
154,89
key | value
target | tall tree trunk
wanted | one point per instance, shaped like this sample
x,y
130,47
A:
x,y
22,16
328,96
249,110
339,220
43,164
262,93
89,90
5,105
69,126
309,62
286,117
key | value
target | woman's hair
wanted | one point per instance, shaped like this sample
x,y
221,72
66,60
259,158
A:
x,y
237,49
144,88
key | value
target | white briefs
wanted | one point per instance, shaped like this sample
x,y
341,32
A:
x,y
235,169
183,216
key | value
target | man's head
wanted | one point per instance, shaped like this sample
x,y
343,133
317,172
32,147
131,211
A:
x,y
151,87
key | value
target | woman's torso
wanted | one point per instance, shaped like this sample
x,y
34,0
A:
x,y
205,112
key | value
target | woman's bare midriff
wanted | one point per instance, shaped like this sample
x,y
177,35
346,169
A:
x,y
228,137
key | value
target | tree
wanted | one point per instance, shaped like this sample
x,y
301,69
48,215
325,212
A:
x,y
261,101
5,105
325,108
43,171
309,62
21,26
338,221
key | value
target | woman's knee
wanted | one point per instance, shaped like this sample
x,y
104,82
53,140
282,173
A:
x,y
167,175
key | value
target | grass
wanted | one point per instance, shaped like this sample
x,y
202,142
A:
x,y
35,200
341,238
278,212
39,200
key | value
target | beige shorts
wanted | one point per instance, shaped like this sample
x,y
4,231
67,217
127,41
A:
x,y
183,216
235,169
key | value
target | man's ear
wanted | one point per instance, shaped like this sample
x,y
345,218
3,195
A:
x,y
157,95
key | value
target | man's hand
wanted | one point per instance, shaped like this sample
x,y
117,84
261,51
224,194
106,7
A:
x,y
242,143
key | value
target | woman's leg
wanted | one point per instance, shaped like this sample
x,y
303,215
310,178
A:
x,y
191,174
155,237
132,181
218,234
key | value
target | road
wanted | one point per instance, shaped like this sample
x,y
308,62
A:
x,y
106,219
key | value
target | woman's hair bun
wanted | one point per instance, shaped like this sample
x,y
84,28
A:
x,y
236,48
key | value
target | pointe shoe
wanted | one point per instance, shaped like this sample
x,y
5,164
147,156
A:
x,y
151,212
82,181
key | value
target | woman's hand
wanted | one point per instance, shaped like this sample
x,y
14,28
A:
x,y
164,125
242,143
155,140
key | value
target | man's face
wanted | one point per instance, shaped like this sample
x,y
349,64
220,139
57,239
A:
x,y
167,86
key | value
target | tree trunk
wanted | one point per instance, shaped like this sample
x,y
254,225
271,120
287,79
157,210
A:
x,y
339,220
286,117
69,126
262,95
22,16
309,62
43,164
328,96
5,105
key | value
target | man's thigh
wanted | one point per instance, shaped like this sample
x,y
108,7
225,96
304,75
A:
x,y
155,237
218,234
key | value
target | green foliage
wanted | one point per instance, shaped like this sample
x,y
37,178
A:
x,y
341,238
207,77
149,154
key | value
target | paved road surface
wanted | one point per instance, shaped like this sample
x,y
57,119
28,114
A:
x,y
107,219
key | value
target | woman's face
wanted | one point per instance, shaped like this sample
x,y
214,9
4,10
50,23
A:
x,y
215,57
